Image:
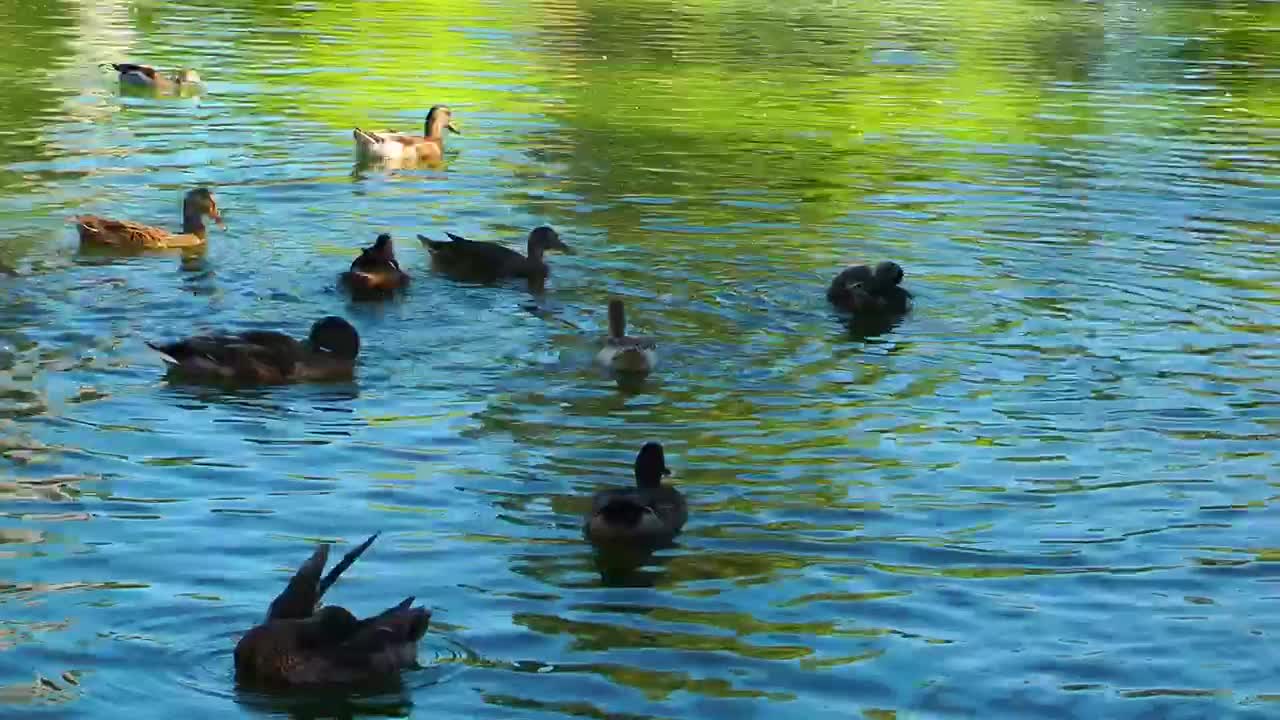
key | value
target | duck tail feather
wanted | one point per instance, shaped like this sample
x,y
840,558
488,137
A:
x,y
346,562
164,352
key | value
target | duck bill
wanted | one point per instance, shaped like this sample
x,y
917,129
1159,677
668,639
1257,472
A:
x,y
453,128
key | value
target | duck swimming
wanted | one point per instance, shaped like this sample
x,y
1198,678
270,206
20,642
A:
x,y
488,262
145,76
863,289
300,645
375,273
623,353
128,235
266,357
648,515
391,145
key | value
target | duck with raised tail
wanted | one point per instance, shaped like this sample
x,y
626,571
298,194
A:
x,y
302,645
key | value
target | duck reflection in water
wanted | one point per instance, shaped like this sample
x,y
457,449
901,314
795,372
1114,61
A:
x,y
870,297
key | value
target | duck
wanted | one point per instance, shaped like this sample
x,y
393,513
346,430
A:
x,y
862,289
126,234
375,273
489,262
145,76
647,516
265,357
391,145
301,645
623,353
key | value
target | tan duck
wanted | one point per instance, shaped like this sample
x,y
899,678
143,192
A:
x,y
301,645
129,235
861,289
391,145
145,76
266,357
488,262
624,353
376,273
643,517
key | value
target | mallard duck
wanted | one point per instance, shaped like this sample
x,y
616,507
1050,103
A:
x,y
391,145
863,289
146,76
125,234
300,645
623,353
376,273
487,262
649,514
265,357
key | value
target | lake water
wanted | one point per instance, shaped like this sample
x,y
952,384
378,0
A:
x,y
1048,493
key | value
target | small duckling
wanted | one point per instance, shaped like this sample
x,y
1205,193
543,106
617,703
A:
x,y
376,273
265,357
622,353
862,289
127,235
145,76
390,145
488,262
301,645
648,515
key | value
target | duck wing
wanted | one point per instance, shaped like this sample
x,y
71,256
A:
x,y
255,356
300,597
474,257
632,342
107,231
388,641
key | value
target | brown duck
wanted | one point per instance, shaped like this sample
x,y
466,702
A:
x,y
864,289
145,76
376,273
125,234
488,262
648,515
266,357
301,645
400,147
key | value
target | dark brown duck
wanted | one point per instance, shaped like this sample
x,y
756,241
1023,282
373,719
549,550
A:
x,y
375,273
864,289
488,262
645,516
301,645
265,357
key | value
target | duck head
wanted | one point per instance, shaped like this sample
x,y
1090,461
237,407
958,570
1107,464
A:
x,y
439,119
335,335
383,249
543,238
186,76
651,466
200,203
886,274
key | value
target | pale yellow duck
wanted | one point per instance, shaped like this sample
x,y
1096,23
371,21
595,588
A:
x,y
623,352
124,234
388,145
